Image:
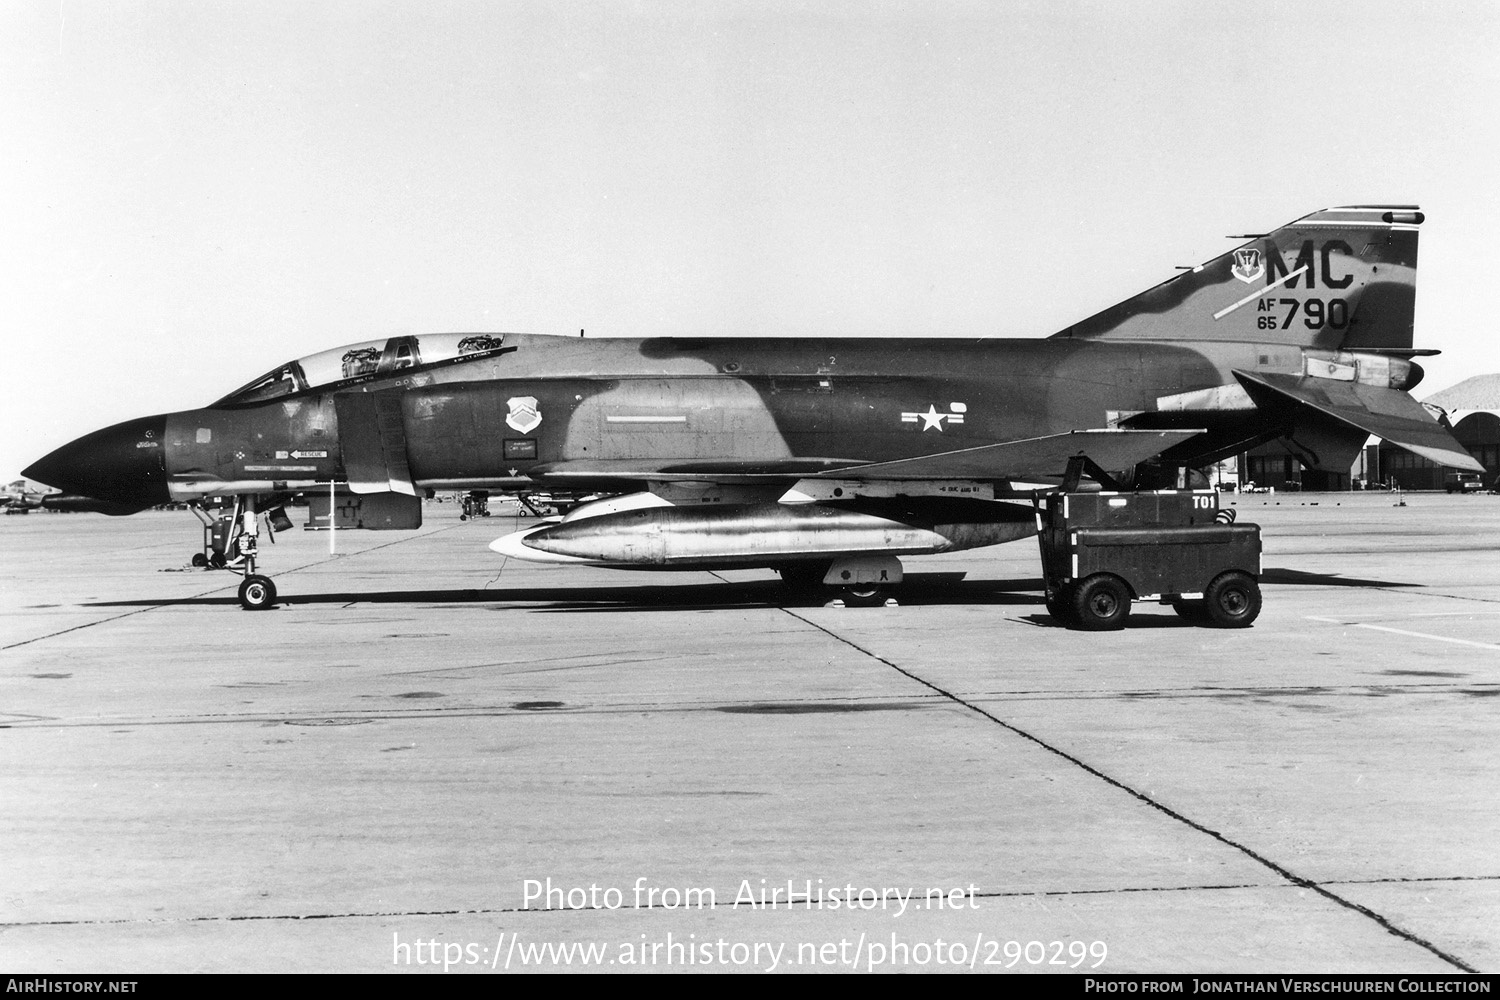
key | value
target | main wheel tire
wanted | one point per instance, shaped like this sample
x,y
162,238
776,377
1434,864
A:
x,y
864,595
1100,604
257,593
1232,600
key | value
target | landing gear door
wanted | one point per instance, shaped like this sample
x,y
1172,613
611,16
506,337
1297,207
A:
x,y
372,435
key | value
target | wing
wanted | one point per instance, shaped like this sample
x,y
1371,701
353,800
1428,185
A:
x,y
1030,458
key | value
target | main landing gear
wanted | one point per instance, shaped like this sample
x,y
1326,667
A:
x,y
231,541
861,581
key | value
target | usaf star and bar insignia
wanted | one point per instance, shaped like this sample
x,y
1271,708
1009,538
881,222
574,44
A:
x,y
933,419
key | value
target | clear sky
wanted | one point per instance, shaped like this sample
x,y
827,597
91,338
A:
x,y
195,191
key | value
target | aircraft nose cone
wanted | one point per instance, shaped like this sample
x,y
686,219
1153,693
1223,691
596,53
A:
x,y
124,464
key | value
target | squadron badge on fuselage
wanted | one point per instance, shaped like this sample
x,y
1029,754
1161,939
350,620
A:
x,y
524,415
1247,265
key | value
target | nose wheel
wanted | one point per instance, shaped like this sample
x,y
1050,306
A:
x,y
257,593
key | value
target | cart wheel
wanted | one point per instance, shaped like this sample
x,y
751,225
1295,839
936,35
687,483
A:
x,y
199,559
1232,600
257,593
1100,604
1191,611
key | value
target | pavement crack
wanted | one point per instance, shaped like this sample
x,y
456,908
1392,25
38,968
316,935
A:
x,y
1399,880
514,910
1284,872
271,917
1124,890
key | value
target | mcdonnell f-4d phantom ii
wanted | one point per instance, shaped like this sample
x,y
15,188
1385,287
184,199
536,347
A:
x,y
825,459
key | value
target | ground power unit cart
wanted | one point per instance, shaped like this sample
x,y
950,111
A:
x,y
1101,551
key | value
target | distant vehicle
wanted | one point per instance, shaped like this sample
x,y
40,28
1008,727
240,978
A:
x,y
475,504
1463,482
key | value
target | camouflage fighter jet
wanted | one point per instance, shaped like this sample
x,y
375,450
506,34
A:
x,y
826,459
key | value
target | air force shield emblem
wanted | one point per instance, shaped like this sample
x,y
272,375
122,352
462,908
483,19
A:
x,y
1247,265
524,415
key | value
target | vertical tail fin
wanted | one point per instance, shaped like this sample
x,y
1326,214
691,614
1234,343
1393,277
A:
x,y
1341,278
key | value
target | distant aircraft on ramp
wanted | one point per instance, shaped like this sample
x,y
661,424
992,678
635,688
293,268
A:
x,y
15,498
825,459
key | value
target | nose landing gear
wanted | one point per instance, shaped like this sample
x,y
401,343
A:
x,y
230,541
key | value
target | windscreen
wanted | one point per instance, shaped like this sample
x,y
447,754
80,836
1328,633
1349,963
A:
x,y
374,357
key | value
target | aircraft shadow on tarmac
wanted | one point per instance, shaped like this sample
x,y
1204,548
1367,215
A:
x,y
1297,577
918,589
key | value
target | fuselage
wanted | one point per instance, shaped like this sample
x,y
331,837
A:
x,y
760,401
493,422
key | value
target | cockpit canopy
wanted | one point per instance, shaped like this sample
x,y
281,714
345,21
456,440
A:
x,y
370,358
